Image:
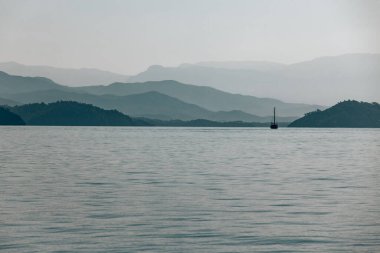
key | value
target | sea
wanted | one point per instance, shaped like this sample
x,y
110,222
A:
x,y
157,189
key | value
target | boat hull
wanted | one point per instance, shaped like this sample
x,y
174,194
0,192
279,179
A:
x,y
273,126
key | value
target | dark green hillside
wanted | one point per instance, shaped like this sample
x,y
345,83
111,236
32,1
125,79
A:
x,y
66,113
344,114
9,118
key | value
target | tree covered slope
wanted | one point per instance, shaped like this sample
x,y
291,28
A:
x,y
344,114
9,118
66,113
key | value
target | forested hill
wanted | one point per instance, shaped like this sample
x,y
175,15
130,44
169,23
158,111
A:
x,y
344,114
9,118
67,113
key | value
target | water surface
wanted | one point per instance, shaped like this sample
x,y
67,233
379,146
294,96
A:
x,y
109,189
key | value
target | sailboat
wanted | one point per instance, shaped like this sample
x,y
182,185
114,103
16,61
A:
x,y
273,125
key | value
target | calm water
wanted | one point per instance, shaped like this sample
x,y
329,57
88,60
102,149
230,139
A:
x,y
95,189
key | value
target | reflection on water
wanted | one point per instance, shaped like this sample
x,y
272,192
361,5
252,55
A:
x,y
95,189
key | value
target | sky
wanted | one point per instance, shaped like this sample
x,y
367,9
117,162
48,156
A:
x,y
127,36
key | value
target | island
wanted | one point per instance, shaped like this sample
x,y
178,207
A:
x,y
348,113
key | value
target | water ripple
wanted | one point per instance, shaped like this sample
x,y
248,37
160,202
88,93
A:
x,y
99,189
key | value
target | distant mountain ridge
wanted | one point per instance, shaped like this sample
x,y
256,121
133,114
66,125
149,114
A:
x,y
323,80
10,84
70,113
65,76
8,102
149,104
206,97
195,101
344,114
254,65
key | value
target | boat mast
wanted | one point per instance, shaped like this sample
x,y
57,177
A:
x,y
274,115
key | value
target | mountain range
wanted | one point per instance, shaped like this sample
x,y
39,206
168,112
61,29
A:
x,y
206,97
348,76
70,113
149,104
64,76
322,80
149,99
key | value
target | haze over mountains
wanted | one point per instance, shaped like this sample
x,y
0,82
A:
x,y
159,100
329,79
324,80
9,102
206,97
65,76
253,65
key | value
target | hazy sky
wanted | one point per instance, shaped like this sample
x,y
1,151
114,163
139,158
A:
x,y
127,36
